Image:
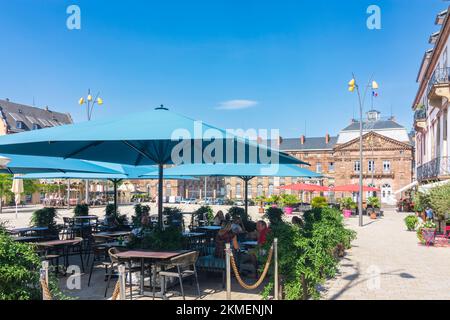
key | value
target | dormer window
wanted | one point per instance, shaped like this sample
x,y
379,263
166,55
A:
x,y
373,115
36,126
20,125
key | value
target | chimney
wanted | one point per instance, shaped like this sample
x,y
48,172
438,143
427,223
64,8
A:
x,y
46,108
302,139
327,138
7,99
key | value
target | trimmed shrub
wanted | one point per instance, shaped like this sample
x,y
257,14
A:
x,y
319,202
411,222
81,210
309,255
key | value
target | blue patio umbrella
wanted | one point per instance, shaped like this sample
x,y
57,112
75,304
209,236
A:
x,y
130,173
20,164
245,171
156,137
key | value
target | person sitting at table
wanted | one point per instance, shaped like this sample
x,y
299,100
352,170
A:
x,y
219,218
263,230
224,236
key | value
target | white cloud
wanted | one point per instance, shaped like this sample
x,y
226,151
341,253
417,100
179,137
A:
x,y
237,104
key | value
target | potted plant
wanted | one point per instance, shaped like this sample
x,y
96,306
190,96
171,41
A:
x,y
411,222
261,200
319,203
81,210
288,201
426,232
347,204
373,203
46,217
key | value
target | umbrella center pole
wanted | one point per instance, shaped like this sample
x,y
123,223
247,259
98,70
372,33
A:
x,y
160,195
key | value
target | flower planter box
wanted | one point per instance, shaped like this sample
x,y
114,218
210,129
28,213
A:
x,y
429,235
347,213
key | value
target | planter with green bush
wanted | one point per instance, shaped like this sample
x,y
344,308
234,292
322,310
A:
x,y
307,255
319,203
46,218
411,222
347,205
19,271
288,202
81,210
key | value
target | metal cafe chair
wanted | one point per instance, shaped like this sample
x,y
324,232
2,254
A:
x,y
99,255
180,267
114,269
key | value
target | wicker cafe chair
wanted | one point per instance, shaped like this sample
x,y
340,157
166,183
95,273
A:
x,y
114,266
180,267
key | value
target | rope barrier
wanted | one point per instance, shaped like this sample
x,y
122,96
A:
x,y
116,292
45,290
260,280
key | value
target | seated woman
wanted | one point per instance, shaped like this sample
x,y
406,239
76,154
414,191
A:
x,y
224,236
219,218
263,230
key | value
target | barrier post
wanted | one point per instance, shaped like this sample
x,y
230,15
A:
x,y
228,269
44,277
122,277
275,254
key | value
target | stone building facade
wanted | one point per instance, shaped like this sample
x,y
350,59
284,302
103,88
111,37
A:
x,y
388,160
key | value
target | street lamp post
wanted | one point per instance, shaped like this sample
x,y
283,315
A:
x,y
352,85
90,102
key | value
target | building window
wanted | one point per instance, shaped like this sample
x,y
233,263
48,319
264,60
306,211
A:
x,y
19,125
357,166
228,190
259,190
168,190
386,166
36,126
270,190
238,191
331,167
319,167
371,165
249,191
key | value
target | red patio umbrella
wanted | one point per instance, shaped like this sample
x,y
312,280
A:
x,y
353,188
305,187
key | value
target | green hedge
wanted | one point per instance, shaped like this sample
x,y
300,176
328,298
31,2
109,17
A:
x,y
310,254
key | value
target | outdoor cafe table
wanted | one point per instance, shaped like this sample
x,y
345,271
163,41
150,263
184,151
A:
x,y
22,231
193,234
64,244
27,239
83,219
113,234
210,228
249,243
152,256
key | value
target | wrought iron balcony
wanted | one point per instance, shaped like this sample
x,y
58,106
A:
x,y
436,168
420,119
439,87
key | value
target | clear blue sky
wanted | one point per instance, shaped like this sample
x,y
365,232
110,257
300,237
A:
x,y
292,58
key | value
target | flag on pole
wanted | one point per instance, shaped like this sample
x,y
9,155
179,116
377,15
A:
x,y
374,94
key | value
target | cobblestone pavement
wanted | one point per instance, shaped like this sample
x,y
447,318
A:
x,y
386,262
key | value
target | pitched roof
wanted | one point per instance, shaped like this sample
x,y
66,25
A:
x,y
12,112
374,125
311,143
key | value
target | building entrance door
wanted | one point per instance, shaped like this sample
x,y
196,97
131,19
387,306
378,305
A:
x,y
386,194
